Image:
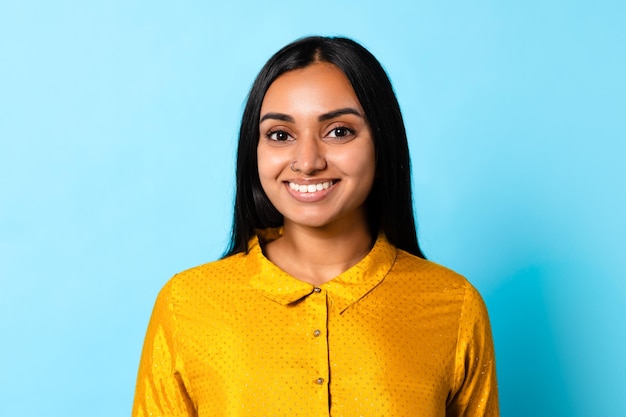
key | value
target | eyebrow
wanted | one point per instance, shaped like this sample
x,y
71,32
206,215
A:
x,y
277,116
323,117
339,112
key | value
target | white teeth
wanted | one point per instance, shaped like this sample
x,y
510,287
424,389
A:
x,y
311,188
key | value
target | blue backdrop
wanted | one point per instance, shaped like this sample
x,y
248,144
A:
x,y
118,124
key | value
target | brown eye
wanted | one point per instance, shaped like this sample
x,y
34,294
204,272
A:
x,y
341,132
278,135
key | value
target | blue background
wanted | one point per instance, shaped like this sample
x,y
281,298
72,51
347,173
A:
x,y
118,124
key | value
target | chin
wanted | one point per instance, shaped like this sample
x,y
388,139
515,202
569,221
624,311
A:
x,y
311,223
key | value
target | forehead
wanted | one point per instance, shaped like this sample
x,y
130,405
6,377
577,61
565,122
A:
x,y
318,86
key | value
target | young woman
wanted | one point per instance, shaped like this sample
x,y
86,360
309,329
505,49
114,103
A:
x,y
323,304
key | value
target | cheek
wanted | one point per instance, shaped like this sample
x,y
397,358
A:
x,y
365,167
368,162
361,162
270,165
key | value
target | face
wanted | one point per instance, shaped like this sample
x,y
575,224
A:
x,y
315,153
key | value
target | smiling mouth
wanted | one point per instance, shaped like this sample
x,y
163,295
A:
x,y
311,188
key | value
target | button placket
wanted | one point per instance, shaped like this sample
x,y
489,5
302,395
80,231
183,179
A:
x,y
318,322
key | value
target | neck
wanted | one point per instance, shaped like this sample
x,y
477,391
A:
x,y
317,255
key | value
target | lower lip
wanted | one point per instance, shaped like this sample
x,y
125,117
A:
x,y
310,197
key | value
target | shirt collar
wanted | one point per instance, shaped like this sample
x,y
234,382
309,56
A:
x,y
343,290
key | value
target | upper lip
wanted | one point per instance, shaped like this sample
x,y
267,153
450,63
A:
x,y
309,181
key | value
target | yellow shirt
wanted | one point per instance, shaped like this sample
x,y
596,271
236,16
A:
x,y
395,335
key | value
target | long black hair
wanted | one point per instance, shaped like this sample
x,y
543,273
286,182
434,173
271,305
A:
x,y
389,206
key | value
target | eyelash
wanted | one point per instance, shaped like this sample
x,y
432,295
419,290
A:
x,y
348,132
277,131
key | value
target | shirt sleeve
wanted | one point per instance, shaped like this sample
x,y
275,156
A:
x,y
161,389
475,387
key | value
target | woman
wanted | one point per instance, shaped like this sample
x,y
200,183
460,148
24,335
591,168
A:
x,y
324,303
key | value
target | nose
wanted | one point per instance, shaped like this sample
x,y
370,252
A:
x,y
310,155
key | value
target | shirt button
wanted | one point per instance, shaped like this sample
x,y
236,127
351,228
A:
x,y
319,381
316,333
317,289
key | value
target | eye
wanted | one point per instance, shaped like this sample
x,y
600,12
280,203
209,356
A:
x,y
278,135
341,132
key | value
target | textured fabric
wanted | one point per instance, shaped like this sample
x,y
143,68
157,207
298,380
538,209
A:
x,y
395,335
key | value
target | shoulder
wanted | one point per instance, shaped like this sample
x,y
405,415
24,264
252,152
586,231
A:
x,y
429,280
217,277
224,266
427,274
